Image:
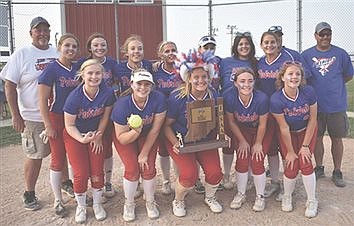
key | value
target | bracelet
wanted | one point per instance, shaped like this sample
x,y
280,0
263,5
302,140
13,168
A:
x,y
305,146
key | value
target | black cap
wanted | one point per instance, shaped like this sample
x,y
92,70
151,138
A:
x,y
38,20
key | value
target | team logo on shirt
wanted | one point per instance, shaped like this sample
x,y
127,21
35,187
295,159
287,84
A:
x,y
297,111
42,63
63,82
267,74
168,84
90,113
323,64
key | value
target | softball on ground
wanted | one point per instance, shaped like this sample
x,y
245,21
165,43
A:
x,y
135,121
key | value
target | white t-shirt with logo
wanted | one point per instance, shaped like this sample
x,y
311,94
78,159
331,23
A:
x,y
23,69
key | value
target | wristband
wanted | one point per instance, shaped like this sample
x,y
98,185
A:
x,y
305,146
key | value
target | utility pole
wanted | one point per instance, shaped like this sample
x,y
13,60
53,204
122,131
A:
x,y
210,18
299,25
233,29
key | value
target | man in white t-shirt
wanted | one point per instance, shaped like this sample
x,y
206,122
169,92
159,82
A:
x,y
21,88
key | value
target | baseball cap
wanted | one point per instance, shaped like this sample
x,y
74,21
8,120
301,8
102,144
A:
x,y
38,20
142,75
276,29
322,26
206,40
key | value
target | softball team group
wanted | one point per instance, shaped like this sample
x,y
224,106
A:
x,y
86,104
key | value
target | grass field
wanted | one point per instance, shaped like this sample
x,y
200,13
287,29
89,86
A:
x,y
9,136
350,93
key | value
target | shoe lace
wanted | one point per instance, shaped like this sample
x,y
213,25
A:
x,y
179,204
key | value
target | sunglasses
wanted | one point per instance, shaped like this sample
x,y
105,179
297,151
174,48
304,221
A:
x,y
208,38
322,34
244,34
275,29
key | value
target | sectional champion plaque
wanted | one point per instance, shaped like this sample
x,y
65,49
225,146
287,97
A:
x,y
203,117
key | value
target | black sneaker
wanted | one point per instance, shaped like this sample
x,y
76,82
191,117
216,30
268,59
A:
x,y
67,187
30,201
199,187
319,172
337,178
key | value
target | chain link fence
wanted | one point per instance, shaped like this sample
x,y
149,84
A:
x,y
186,21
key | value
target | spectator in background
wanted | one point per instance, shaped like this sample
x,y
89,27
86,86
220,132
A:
x,y
20,75
329,69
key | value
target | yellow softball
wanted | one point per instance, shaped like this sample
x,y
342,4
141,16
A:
x,y
135,121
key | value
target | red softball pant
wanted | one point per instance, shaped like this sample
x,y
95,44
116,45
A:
x,y
85,164
129,155
297,139
188,168
242,164
57,146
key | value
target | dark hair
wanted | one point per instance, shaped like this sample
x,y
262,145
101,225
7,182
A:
x,y
92,37
251,56
66,36
243,70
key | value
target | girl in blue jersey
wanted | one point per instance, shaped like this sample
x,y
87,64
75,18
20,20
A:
x,y
243,55
196,75
133,50
55,84
137,147
294,107
86,115
246,114
97,47
268,68
166,79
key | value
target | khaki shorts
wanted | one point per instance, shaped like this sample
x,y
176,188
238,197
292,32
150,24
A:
x,y
32,144
336,124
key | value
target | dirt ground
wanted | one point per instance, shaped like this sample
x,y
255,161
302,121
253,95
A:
x,y
335,204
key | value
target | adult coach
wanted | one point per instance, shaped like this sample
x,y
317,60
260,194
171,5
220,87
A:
x,y
20,75
329,69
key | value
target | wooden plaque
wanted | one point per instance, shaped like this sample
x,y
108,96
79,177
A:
x,y
203,116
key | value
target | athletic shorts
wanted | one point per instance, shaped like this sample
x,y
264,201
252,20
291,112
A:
x,y
336,124
32,144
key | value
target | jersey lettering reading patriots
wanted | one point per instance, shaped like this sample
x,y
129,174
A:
x,y
247,116
125,106
296,111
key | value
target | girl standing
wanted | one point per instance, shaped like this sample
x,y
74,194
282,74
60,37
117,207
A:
x,y
243,55
137,147
246,114
294,107
55,84
166,81
97,46
87,111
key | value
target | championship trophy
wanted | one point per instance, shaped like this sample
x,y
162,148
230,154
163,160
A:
x,y
203,117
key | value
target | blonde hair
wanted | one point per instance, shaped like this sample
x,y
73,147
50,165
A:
x,y
185,88
87,63
133,37
161,45
279,82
